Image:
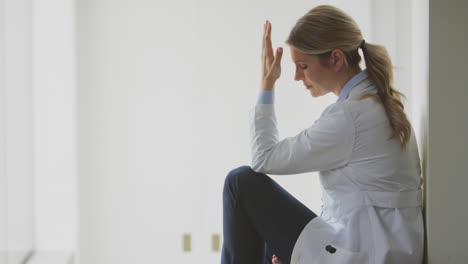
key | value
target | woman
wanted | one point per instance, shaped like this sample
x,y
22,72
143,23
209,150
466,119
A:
x,y
363,147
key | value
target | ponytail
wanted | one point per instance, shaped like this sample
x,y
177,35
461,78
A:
x,y
379,69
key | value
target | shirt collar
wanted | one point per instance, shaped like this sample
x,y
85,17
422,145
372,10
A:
x,y
351,84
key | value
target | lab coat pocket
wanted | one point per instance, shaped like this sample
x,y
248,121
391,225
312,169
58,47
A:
x,y
333,254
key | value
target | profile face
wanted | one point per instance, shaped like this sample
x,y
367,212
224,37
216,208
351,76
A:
x,y
317,78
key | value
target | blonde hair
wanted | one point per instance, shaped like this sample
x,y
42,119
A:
x,y
325,28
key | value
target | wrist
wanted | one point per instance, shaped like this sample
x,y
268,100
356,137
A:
x,y
267,85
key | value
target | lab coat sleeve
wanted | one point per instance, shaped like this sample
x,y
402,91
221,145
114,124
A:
x,y
325,145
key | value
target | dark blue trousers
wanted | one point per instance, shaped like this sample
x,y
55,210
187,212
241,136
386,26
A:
x,y
260,218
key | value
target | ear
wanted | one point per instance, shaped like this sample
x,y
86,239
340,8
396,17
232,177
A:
x,y
337,59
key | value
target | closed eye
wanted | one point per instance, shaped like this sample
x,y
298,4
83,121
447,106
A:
x,y
303,66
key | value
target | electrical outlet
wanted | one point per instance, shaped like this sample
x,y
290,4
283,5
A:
x,y
215,242
186,243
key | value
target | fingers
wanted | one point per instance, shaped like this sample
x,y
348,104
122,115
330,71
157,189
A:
x,y
268,45
279,55
271,61
275,260
264,61
265,37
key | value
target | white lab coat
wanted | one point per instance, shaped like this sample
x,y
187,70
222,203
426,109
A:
x,y
371,188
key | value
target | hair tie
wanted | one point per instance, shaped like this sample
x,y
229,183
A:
x,y
362,44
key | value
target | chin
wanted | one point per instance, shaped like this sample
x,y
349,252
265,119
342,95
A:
x,y
315,95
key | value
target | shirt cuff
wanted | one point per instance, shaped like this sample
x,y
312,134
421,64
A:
x,y
266,97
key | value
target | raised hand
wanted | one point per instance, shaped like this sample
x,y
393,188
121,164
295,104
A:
x,y
271,63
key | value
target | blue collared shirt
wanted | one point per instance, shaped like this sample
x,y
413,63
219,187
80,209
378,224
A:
x,y
268,97
351,84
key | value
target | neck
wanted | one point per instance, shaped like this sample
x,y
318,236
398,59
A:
x,y
342,81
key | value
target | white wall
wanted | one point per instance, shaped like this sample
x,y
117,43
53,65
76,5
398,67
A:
x,y
37,132
3,176
16,160
55,143
446,210
54,124
419,57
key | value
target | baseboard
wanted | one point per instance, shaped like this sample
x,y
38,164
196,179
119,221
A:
x,y
52,257
15,257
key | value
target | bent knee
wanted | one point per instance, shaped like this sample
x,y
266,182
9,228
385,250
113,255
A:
x,y
233,174
241,170
246,175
